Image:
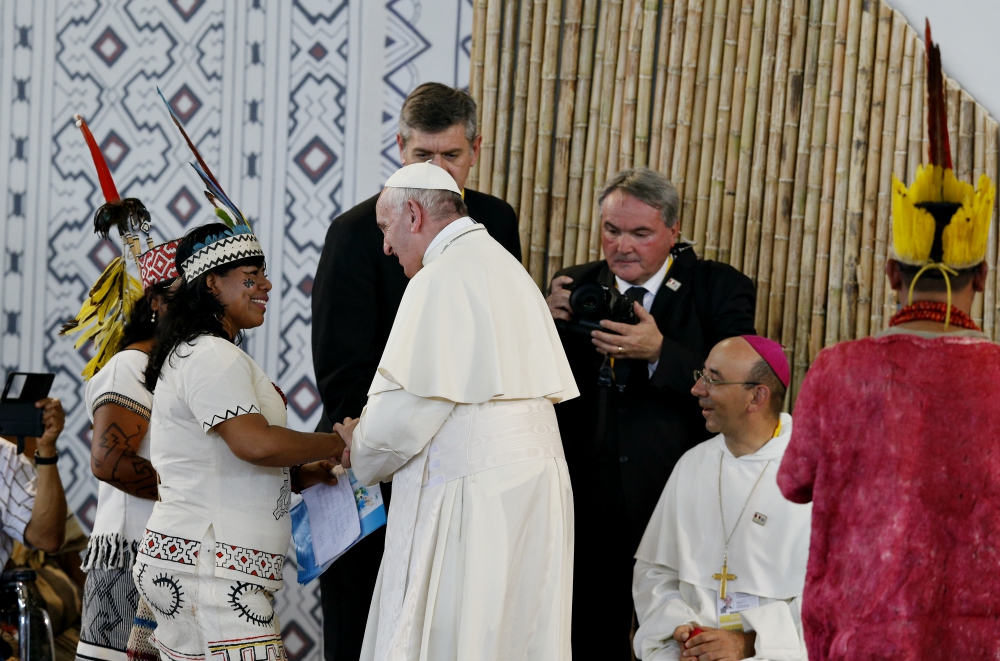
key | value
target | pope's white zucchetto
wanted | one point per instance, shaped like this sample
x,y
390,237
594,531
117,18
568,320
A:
x,y
425,176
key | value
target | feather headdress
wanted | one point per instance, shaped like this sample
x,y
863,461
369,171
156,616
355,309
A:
x,y
238,242
103,315
940,223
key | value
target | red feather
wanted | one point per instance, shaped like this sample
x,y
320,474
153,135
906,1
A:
x,y
103,173
937,115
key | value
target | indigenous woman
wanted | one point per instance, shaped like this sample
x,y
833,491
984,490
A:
x,y
120,315
215,544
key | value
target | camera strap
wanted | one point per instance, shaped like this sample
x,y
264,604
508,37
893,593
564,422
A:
x,y
606,379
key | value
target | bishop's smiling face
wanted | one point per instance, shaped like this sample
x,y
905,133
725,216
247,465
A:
x,y
242,292
724,405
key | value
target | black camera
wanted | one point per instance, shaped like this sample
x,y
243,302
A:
x,y
593,302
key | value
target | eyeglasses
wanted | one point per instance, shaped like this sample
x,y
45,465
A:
x,y
711,383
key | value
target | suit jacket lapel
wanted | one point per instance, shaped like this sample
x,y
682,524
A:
x,y
669,301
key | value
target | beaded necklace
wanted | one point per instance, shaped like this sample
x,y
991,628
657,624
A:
x,y
933,311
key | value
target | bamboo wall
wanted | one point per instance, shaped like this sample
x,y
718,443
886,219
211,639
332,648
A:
x,y
780,123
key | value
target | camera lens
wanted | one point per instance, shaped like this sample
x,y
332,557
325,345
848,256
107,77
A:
x,y
589,301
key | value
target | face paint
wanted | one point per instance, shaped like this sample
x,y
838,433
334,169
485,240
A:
x,y
249,283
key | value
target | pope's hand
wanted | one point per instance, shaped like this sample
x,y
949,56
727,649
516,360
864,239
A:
x,y
558,300
715,644
641,341
346,431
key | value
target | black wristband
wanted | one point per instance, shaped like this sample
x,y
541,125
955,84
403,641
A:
x,y
46,461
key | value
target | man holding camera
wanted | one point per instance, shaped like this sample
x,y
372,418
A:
x,y
635,416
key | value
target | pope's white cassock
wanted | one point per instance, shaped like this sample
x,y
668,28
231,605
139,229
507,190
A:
x,y
478,559
683,547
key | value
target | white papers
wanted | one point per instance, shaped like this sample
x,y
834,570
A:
x,y
333,518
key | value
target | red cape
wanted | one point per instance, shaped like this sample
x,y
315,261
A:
x,y
897,444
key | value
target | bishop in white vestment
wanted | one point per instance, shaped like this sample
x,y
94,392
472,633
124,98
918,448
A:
x,y
724,551
478,561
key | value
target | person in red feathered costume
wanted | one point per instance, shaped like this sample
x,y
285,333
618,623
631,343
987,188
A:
x,y
897,444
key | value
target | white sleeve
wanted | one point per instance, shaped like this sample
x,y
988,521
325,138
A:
x,y
779,630
660,609
121,383
394,427
217,382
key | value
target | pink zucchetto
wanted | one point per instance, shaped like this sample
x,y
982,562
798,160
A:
x,y
773,354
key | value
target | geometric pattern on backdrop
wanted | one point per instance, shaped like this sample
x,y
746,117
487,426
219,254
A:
x,y
262,87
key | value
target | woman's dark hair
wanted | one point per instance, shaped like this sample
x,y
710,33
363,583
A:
x,y
140,325
193,310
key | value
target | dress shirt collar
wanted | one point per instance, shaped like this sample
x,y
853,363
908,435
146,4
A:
x,y
652,285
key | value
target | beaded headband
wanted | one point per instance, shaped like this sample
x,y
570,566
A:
x,y
157,264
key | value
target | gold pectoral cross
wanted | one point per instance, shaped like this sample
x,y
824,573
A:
x,y
723,577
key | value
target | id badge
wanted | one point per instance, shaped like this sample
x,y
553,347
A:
x,y
729,609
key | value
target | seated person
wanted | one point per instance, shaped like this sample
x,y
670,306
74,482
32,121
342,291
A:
x,y
724,552
32,500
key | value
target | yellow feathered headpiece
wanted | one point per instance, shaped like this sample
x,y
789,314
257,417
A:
x,y
108,306
940,223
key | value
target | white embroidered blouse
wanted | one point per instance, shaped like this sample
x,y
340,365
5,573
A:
x,y
202,483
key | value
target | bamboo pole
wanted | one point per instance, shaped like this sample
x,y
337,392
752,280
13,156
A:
x,y
717,191
476,64
618,98
565,114
755,199
616,15
824,231
668,132
793,180
915,146
504,101
662,63
531,129
824,94
518,119
897,167
878,161
745,141
966,134
633,55
543,155
979,309
585,73
860,17
779,159
696,137
752,16
594,129
953,98
993,172
723,10
646,63
488,100
686,100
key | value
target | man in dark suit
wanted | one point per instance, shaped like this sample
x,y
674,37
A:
x,y
635,416
356,293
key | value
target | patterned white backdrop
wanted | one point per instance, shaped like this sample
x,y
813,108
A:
x,y
292,102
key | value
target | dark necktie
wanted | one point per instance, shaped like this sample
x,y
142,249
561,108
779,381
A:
x,y
636,294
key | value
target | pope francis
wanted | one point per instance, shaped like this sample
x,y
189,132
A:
x,y
478,561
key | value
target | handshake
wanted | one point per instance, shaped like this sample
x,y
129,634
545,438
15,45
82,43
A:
x,y
323,471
